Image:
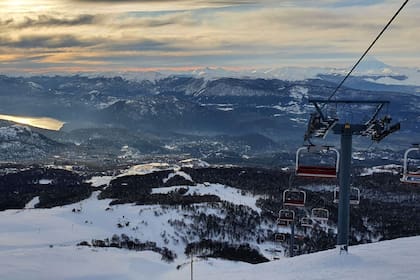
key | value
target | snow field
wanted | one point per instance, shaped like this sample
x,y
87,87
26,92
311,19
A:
x,y
224,192
40,244
388,260
95,219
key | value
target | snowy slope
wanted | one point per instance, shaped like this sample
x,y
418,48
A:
x,y
41,243
227,193
95,219
21,142
397,259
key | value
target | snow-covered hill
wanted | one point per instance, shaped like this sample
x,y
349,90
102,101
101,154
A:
x,y
96,219
17,142
187,206
388,260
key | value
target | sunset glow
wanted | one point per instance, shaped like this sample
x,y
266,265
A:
x,y
88,35
45,123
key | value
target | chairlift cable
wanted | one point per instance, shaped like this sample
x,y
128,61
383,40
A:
x,y
367,50
370,145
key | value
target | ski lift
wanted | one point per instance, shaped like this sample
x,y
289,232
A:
x,y
299,237
282,223
295,249
320,214
279,237
286,215
293,197
410,176
354,195
322,169
336,195
306,222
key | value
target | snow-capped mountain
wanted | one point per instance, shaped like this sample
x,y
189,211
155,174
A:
x,y
195,116
370,69
21,142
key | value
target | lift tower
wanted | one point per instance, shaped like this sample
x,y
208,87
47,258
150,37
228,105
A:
x,y
321,122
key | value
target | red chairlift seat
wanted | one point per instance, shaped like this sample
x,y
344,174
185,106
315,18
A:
x,y
316,171
294,198
320,214
411,177
319,171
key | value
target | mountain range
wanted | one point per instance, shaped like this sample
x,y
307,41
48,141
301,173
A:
x,y
197,114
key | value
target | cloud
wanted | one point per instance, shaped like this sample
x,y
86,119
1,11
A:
x,y
102,6
165,33
136,21
216,2
45,41
48,21
141,45
346,3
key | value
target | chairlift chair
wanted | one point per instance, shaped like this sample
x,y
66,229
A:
x,y
408,176
295,249
317,170
354,195
293,197
306,222
282,223
279,237
286,215
320,214
299,237
336,194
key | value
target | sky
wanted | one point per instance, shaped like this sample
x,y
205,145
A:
x,y
56,36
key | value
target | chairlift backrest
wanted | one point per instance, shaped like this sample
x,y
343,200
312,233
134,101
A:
x,y
408,176
293,197
320,214
317,169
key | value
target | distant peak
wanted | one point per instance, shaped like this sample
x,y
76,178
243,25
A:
x,y
371,63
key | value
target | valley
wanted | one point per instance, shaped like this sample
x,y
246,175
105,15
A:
x,y
243,121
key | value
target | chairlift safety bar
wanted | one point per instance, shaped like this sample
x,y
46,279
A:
x,y
405,171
